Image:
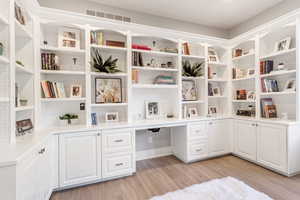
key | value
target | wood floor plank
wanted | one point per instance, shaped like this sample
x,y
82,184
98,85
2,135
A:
x,y
161,175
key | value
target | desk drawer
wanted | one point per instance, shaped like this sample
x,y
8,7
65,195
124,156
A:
x,y
198,131
117,165
117,141
198,151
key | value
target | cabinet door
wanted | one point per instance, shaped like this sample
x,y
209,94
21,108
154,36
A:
x,y
80,158
218,137
245,139
272,146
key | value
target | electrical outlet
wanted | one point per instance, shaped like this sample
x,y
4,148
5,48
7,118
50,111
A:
x,y
150,140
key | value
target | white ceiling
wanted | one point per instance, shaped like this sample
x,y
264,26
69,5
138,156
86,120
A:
x,y
215,13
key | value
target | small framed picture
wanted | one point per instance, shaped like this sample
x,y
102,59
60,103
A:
x,y
212,110
76,91
23,126
108,90
94,119
290,85
213,56
112,117
216,91
283,45
251,95
152,110
189,90
250,72
193,112
69,38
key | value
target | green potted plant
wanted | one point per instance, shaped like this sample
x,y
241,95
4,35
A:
x,y
195,70
107,66
68,119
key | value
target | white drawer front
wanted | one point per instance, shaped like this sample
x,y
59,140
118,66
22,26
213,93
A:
x,y
118,141
198,151
198,131
117,165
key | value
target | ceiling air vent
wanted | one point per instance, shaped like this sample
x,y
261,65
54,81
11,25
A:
x,y
108,15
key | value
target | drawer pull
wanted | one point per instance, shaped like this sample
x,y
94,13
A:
x,y
210,123
119,164
118,141
198,150
42,151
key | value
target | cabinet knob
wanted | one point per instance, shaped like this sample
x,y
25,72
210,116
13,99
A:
x,y
118,141
253,124
119,164
42,151
98,134
198,150
210,123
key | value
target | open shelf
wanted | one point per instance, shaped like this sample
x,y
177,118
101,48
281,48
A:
x,y
61,99
3,20
193,102
278,73
3,59
243,57
279,53
62,72
217,97
153,86
193,78
158,53
154,69
108,75
63,50
277,93
108,47
194,57
20,69
217,64
217,80
109,105
4,99
243,101
21,31
24,108
244,79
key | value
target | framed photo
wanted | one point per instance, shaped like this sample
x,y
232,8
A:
x,y
213,56
94,118
290,85
152,109
283,45
112,117
193,112
69,38
76,91
216,91
251,95
23,126
212,110
189,92
250,72
108,90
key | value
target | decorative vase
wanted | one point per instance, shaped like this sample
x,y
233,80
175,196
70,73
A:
x,y
64,122
74,121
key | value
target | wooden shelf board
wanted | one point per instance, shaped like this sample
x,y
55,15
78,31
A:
x,y
193,102
279,73
159,53
193,78
217,80
244,79
4,99
109,104
242,57
24,108
193,57
63,50
3,59
153,86
21,30
217,64
279,53
154,69
217,97
243,101
109,47
62,72
61,99
109,75
277,93
23,70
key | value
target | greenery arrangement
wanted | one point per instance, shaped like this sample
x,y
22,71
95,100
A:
x,y
68,117
195,70
107,66
20,63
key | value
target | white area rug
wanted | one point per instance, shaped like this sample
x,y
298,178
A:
x,y
218,189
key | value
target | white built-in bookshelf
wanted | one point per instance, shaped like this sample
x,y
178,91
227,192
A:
x,y
152,68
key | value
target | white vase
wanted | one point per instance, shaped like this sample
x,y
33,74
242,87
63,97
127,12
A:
x,y
74,121
63,122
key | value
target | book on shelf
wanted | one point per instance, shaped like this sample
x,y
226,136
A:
x,y
241,95
114,43
270,111
266,66
19,15
269,85
210,90
141,47
135,76
137,59
49,61
186,49
53,89
97,37
267,108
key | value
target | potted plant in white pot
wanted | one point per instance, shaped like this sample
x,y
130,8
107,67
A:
x,y
68,119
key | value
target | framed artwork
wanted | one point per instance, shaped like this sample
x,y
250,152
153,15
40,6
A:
x,y
152,110
189,92
193,112
213,56
283,45
112,117
251,95
76,91
212,110
216,91
290,85
69,38
108,90
24,125
94,118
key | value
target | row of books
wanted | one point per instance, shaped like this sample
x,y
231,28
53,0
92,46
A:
x,y
141,47
135,76
97,38
53,89
186,49
269,85
241,94
266,66
137,59
49,61
268,109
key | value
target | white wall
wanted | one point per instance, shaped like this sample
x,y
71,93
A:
x,y
266,16
81,6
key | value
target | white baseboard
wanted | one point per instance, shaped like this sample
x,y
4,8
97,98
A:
x,y
154,153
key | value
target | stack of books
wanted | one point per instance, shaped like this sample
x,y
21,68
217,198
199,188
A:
x,y
241,95
137,59
114,43
164,79
49,61
186,49
97,38
266,66
269,85
53,89
141,47
268,109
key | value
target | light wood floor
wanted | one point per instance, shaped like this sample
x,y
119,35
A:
x,y
160,175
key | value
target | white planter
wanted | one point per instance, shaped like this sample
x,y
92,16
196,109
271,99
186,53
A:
x,y
63,122
74,121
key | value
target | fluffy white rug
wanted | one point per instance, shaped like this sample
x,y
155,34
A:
x,y
218,189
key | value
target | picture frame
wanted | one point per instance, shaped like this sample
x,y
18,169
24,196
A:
x,y
250,72
75,91
216,91
193,112
152,109
189,90
94,119
212,110
108,90
283,44
23,126
290,85
112,117
213,56
251,95
68,38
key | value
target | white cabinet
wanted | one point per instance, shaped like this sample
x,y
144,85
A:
x,y
272,146
218,137
80,158
245,139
